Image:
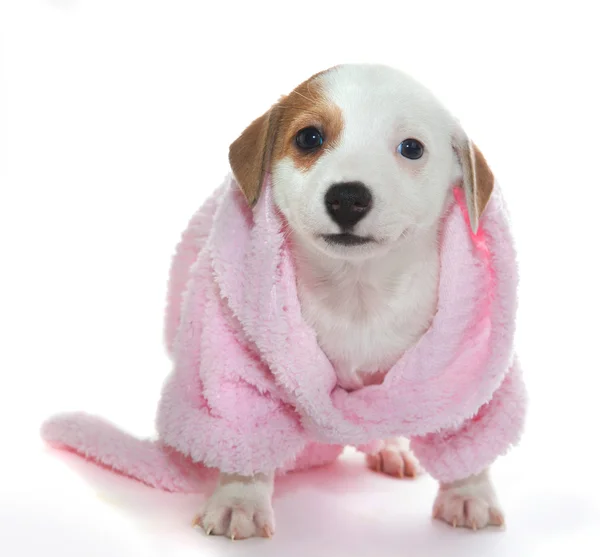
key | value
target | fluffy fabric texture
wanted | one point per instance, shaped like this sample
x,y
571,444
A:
x,y
251,390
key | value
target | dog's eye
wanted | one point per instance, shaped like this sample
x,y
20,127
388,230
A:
x,y
309,139
411,149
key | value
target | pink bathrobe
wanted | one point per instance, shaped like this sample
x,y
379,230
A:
x,y
251,390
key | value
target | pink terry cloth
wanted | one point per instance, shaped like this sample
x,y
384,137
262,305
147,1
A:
x,y
251,390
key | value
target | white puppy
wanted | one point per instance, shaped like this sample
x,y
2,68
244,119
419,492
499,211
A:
x,y
363,160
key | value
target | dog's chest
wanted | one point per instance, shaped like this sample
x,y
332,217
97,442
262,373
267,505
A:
x,y
365,319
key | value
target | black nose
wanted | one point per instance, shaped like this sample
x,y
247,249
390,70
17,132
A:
x,y
348,202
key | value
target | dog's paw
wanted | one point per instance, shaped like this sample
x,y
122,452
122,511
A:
x,y
238,510
394,460
471,505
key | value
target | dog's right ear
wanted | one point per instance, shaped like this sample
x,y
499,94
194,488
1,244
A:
x,y
250,154
478,180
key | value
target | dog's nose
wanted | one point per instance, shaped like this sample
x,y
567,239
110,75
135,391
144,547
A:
x,y
348,202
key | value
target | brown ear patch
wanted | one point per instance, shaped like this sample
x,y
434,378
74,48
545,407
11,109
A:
x,y
249,155
484,180
478,180
272,136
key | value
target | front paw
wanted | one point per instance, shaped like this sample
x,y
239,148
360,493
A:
x,y
238,510
394,459
468,505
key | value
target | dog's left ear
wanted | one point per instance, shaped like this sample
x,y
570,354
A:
x,y
250,153
478,180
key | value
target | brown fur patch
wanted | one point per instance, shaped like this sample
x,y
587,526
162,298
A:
x,y
478,180
249,155
484,179
306,106
272,136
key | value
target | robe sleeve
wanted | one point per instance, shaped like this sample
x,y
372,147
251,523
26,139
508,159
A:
x,y
458,453
220,405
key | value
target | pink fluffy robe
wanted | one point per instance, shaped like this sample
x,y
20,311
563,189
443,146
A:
x,y
251,390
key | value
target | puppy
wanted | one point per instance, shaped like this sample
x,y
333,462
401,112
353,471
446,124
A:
x,y
363,160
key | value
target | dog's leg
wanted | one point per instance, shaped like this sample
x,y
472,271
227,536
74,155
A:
x,y
470,503
394,459
240,507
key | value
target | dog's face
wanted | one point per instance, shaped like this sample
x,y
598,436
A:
x,y
361,156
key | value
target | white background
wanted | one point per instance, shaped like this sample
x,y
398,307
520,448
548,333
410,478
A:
x,y
115,119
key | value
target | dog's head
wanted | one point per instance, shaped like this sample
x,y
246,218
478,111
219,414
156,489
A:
x,y
361,156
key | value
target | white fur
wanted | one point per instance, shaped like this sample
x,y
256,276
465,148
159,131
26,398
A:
x,y
368,303
367,312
